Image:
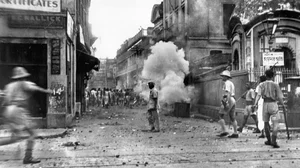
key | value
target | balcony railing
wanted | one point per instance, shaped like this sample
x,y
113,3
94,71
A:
x,y
130,42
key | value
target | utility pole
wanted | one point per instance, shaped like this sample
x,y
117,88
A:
x,y
106,72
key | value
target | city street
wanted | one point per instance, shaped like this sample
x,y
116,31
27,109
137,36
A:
x,y
118,137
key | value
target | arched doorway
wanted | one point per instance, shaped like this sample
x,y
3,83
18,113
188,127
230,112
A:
x,y
236,60
289,60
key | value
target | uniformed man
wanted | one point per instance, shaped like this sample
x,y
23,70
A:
x,y
152,113
270,92
17,94
227,105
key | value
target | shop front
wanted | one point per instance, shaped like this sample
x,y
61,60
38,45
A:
x,y
38,42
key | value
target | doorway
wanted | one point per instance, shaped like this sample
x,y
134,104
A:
x,y
33,57
289,60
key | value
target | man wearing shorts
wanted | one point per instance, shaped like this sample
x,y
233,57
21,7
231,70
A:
x,y
228,105
249,110
270,92
16,114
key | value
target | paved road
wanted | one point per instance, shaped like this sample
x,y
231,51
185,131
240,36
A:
x,y
117,138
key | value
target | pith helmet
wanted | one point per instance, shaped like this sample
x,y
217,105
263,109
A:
x,y
226,73
19,72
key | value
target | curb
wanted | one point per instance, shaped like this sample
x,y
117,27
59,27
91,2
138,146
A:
x,y
63,134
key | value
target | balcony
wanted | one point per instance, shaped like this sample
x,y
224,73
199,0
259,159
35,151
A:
x,y
132,41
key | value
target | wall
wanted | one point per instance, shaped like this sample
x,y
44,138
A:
x,y
210,93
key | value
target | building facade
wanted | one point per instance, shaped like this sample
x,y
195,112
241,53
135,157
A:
x,y
198,26
106,76
269,30
42,39
130,59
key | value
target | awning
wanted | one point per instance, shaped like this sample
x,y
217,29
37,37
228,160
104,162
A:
x,y
86,62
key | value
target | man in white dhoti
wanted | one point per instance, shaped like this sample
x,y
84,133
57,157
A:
x,y
260,107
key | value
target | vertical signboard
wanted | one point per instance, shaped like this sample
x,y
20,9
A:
x,y
55,56
70,26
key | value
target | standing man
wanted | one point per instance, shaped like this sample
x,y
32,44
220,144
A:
x,y
270,92
260,107
87,99
152,112
16,102
228,105
249,110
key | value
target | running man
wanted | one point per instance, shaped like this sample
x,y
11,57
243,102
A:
x,y
16,114
249,110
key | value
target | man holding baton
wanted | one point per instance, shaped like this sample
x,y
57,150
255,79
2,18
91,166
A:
x,y
270,92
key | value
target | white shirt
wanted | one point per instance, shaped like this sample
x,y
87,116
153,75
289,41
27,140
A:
x,y
228,88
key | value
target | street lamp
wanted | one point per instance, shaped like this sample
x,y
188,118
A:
x,y
270,23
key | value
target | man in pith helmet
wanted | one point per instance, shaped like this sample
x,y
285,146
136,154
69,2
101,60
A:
x,y
16,114
228,105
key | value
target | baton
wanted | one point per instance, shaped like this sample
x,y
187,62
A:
x,y
285,120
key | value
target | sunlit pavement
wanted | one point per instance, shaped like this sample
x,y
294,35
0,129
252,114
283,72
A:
x,y
117,138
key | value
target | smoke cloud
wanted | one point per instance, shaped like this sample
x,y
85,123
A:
x,y
167,67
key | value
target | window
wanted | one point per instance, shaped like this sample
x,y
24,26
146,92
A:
x,y
215,52
227,11
23,53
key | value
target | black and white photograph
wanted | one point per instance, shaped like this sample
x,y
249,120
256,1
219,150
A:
x,y
150,83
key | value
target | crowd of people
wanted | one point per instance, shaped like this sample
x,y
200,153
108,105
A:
x,y
107,97
261,105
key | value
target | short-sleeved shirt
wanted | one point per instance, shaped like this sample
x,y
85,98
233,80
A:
x,y
152,98
228,88
270,90
258,88
250,95
19,91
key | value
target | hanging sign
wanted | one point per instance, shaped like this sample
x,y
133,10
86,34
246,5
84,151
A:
x,y
70,26
273,58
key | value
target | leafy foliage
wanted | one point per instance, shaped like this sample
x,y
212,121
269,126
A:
x,y
246,10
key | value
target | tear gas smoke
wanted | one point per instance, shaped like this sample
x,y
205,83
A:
x,y
167,67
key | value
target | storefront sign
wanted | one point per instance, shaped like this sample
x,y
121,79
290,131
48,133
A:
x,y
281,40
33,5
273,59
55,56
36,21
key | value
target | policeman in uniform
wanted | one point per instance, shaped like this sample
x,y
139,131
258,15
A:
x,y
227,105
270,92
17,94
